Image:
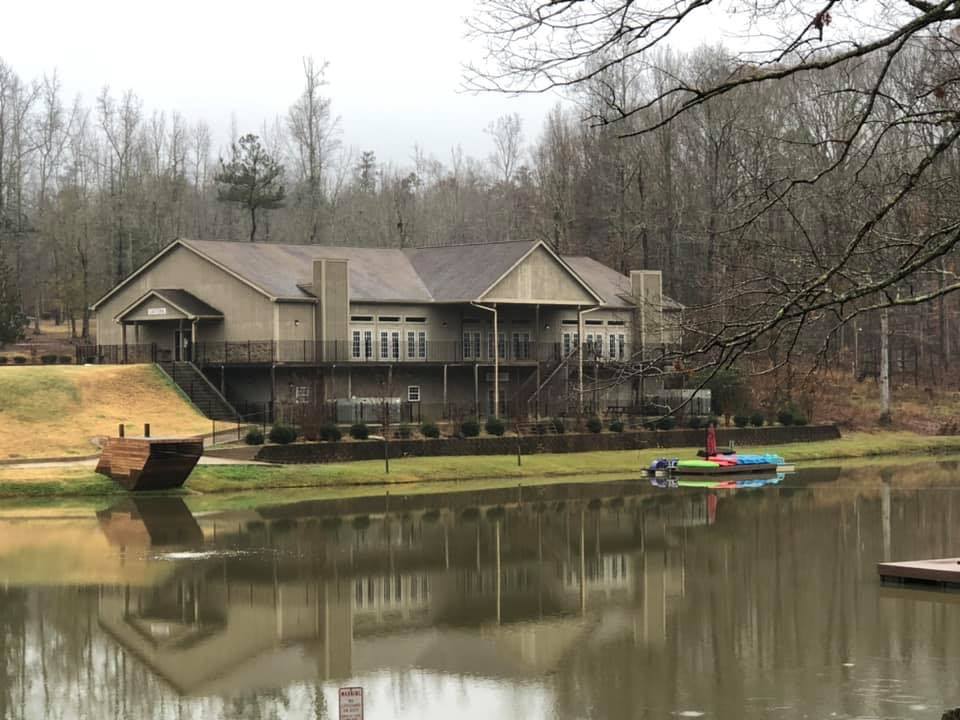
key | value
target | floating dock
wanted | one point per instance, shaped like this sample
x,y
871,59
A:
x,y
945,571
150,463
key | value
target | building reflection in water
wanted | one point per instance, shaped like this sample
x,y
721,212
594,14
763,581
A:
x,y
612,600
297,597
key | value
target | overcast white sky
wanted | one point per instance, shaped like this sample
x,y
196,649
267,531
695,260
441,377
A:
x,y
395,67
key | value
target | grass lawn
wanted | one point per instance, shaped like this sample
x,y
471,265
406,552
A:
x,y
440,473
54,411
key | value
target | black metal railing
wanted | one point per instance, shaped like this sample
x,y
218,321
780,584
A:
x,y
265,352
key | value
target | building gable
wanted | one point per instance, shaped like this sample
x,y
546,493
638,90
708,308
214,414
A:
x,y
152,307
540,277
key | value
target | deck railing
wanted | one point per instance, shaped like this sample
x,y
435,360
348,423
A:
x,y
260,352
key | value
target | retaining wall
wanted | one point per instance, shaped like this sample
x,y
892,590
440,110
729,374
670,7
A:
x,y
324,452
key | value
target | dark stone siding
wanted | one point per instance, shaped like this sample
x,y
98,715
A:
x,y
323,452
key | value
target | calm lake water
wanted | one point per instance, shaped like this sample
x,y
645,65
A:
x,y
614,600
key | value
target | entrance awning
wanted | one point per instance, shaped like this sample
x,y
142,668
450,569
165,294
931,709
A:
x,y
168,304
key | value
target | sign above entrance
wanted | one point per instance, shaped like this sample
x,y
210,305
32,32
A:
x,y
157,311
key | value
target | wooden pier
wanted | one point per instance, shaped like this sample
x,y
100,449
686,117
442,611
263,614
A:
x,y
944,571
150,463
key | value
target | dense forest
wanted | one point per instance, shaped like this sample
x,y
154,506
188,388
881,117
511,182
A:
x,y
737,200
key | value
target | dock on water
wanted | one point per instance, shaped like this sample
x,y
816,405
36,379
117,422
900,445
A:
x,y
149,463
943,571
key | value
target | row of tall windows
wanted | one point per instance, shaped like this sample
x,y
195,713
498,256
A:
x,y
390,344
612,346
519,347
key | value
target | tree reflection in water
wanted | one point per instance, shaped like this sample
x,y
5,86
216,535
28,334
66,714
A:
x,y
612,600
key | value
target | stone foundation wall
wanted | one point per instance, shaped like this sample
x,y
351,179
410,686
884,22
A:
x,y
324,452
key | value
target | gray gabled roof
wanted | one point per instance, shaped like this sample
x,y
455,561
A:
x,y
284,271
465,272
613,287
187,303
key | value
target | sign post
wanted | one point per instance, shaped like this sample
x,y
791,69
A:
x,y
351,703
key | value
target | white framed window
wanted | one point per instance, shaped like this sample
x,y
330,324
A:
x,y
411,345
361,318
612,339
501,345
521,346
395,345
422,345
622,346
388,318
419,319
384,345
368,344
471,345
355,345
567,343
413,393
301,394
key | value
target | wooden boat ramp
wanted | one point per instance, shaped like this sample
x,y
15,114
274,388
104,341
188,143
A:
x,y
944,572
150,463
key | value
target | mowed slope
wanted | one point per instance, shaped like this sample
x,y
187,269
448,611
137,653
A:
x,y
56,411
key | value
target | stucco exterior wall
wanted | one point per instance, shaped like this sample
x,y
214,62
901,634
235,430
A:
x,y
248,315
539,277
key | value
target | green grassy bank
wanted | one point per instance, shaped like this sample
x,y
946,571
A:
x,y
450,471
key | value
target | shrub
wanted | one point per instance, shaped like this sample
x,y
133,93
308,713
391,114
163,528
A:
x,y
756,419
885,419
713,420
799,420
558,426
616,426
651,409
429,430
594,425
66,359
3,359
359,431
470,428
667,422
330,432
254,436
494,426
741,421
695,422
19,360
282,434
540,428
404,432
785,417
48,359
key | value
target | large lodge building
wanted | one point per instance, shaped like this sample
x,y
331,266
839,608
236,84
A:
x,y
445,329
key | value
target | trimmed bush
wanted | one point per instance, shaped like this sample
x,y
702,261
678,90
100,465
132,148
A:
x,y
741,421
66,359
799,420
429,430
494,426
359,431
470,428
695,422
558,426
282,434
330,432
667,422
254,436
48,359
756,419
594,425
404,432
785,417
616,426
19,360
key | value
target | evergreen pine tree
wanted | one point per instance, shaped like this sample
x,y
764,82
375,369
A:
x,y
252,178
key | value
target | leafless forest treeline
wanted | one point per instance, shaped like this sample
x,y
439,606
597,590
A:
x,y
785,202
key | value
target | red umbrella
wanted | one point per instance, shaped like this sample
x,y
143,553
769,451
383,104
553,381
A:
x,y
711,440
